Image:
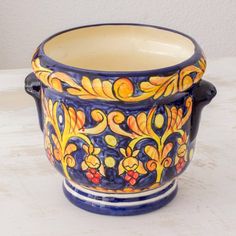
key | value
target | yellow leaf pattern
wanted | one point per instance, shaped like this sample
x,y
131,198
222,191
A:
x,y
122,88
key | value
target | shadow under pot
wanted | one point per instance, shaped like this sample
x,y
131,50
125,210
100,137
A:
x,y
119,106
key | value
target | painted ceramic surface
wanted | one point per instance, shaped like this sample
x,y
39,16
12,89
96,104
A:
x,y
120,138
113,146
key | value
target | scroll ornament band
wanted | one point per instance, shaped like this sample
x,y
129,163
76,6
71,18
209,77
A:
x,y
122,88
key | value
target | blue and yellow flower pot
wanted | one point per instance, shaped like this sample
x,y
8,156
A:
x,y
119,106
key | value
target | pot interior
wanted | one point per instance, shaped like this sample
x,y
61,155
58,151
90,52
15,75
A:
x,y
119,48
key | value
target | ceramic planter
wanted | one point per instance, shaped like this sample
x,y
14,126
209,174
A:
x,y
119,106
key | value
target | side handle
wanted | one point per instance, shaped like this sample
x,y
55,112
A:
x,y
33,88
203,93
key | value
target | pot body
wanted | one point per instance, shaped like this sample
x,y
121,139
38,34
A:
x,y
120,141
121,148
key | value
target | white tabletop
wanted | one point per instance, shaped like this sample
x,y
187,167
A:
x,y
31,198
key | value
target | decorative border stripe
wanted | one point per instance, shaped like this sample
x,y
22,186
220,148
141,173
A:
x,y
111,197
136,202
118,195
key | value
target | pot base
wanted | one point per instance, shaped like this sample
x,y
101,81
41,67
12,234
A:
x,y
120,204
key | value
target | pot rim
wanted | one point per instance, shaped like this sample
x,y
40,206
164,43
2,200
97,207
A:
x,y
51,63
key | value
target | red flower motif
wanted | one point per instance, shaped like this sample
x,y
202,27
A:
x,y
182,151
49,155
93,175
180,165
131,177
48,148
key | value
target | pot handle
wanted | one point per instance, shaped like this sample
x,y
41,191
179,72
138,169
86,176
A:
x,y
33,88
203,93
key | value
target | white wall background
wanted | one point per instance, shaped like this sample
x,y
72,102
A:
x,y
25,23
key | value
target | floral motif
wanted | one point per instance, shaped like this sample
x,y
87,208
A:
x,y
122,88
141,127
73,122
92,164
131,165
181,157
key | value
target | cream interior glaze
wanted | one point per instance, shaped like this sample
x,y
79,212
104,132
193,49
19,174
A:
x,y
119,48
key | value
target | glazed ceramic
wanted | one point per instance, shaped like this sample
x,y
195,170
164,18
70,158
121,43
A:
x,y
119,106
